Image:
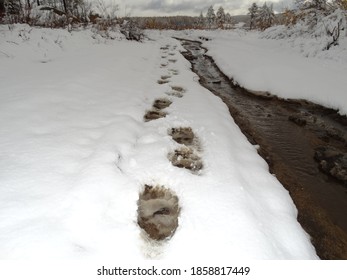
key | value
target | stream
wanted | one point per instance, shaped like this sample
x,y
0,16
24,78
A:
x,y
304,144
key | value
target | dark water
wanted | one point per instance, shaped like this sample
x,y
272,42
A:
x,y
289,149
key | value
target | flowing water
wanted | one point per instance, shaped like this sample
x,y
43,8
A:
x,y
288,133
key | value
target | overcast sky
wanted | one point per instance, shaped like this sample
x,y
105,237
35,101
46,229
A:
x,y
189,7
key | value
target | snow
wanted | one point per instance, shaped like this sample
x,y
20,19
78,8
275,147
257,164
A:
x,y
75,152
296,67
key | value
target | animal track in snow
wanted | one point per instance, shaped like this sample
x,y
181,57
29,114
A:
x,y
161,103
161,82
176,94
173,71
182,135
165,47
154,115
158,212
187,158
165,77
176,91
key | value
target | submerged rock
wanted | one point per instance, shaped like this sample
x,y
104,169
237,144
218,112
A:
x,y
332,162
297,120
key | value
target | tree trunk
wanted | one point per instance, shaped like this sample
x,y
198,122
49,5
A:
x,y
65,6
2,7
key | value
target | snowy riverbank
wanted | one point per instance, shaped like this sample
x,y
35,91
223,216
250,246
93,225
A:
x,y
294,68
75,152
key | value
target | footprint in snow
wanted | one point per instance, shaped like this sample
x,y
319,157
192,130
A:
x,y
154,115
158,212
161,103
182,135
176,91
173,71
187,158
164,48
165,77
161,82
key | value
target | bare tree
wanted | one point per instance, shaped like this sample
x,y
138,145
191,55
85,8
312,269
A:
x,y
13,11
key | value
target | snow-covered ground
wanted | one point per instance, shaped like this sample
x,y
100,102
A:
x,y
294,68
75,152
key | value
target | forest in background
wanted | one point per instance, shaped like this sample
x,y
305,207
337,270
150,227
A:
x,y
315,18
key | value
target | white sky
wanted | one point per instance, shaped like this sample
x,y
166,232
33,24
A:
x,y
188,7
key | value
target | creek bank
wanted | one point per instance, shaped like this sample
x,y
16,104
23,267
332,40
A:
x,y
291,135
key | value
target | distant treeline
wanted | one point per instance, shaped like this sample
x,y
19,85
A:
x,y
60,13
183,22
